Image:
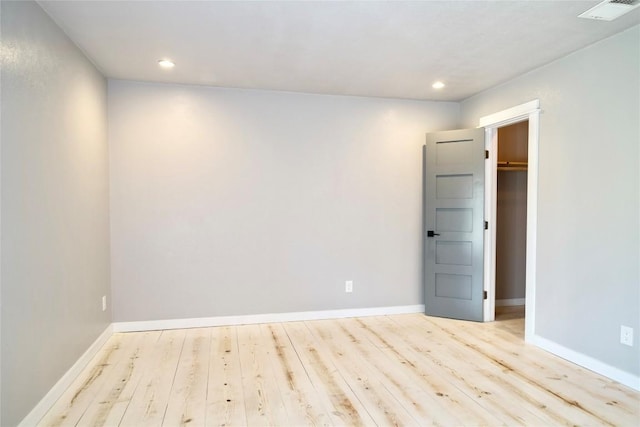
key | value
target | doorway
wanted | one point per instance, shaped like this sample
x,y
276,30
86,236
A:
x,y
530,112
457,173
511,221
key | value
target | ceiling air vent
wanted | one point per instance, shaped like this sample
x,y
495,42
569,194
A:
x,y
609,10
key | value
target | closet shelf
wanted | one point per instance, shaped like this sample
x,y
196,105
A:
x,y
512,166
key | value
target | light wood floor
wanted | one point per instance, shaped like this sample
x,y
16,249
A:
x,y
388,370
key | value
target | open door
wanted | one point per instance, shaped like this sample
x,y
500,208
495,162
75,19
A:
x,y
454,224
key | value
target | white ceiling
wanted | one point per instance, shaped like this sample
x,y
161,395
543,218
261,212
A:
x,y
385,49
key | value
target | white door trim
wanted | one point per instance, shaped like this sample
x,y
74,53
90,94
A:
x,y
527,111
512,115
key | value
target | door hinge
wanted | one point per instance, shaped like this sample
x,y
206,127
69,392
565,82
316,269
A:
x,y
486,225
484,295
486,154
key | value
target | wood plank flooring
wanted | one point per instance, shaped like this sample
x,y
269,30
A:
x,y
404,370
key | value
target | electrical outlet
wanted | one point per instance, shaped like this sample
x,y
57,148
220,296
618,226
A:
x,y
348,286
626,335
104,303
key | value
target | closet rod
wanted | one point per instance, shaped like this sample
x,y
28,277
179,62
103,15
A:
x,y
512,166
512,163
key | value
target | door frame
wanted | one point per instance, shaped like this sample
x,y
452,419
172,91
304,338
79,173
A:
x,y
527,111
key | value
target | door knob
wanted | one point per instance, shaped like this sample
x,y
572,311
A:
x,y
430,233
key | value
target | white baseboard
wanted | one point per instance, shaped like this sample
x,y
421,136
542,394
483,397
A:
x,y
65,381
510,302
587,362
202,322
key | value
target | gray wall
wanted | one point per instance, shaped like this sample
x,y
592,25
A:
x,y
231,202
589,194
54,210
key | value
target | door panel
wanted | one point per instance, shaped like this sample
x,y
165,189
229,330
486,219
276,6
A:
x,y
454,186
454,219
454,152
453,253
454,215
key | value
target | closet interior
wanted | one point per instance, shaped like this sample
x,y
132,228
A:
x,y
511,226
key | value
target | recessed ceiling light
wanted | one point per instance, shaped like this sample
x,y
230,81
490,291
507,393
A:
x,y
166,63
437,85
